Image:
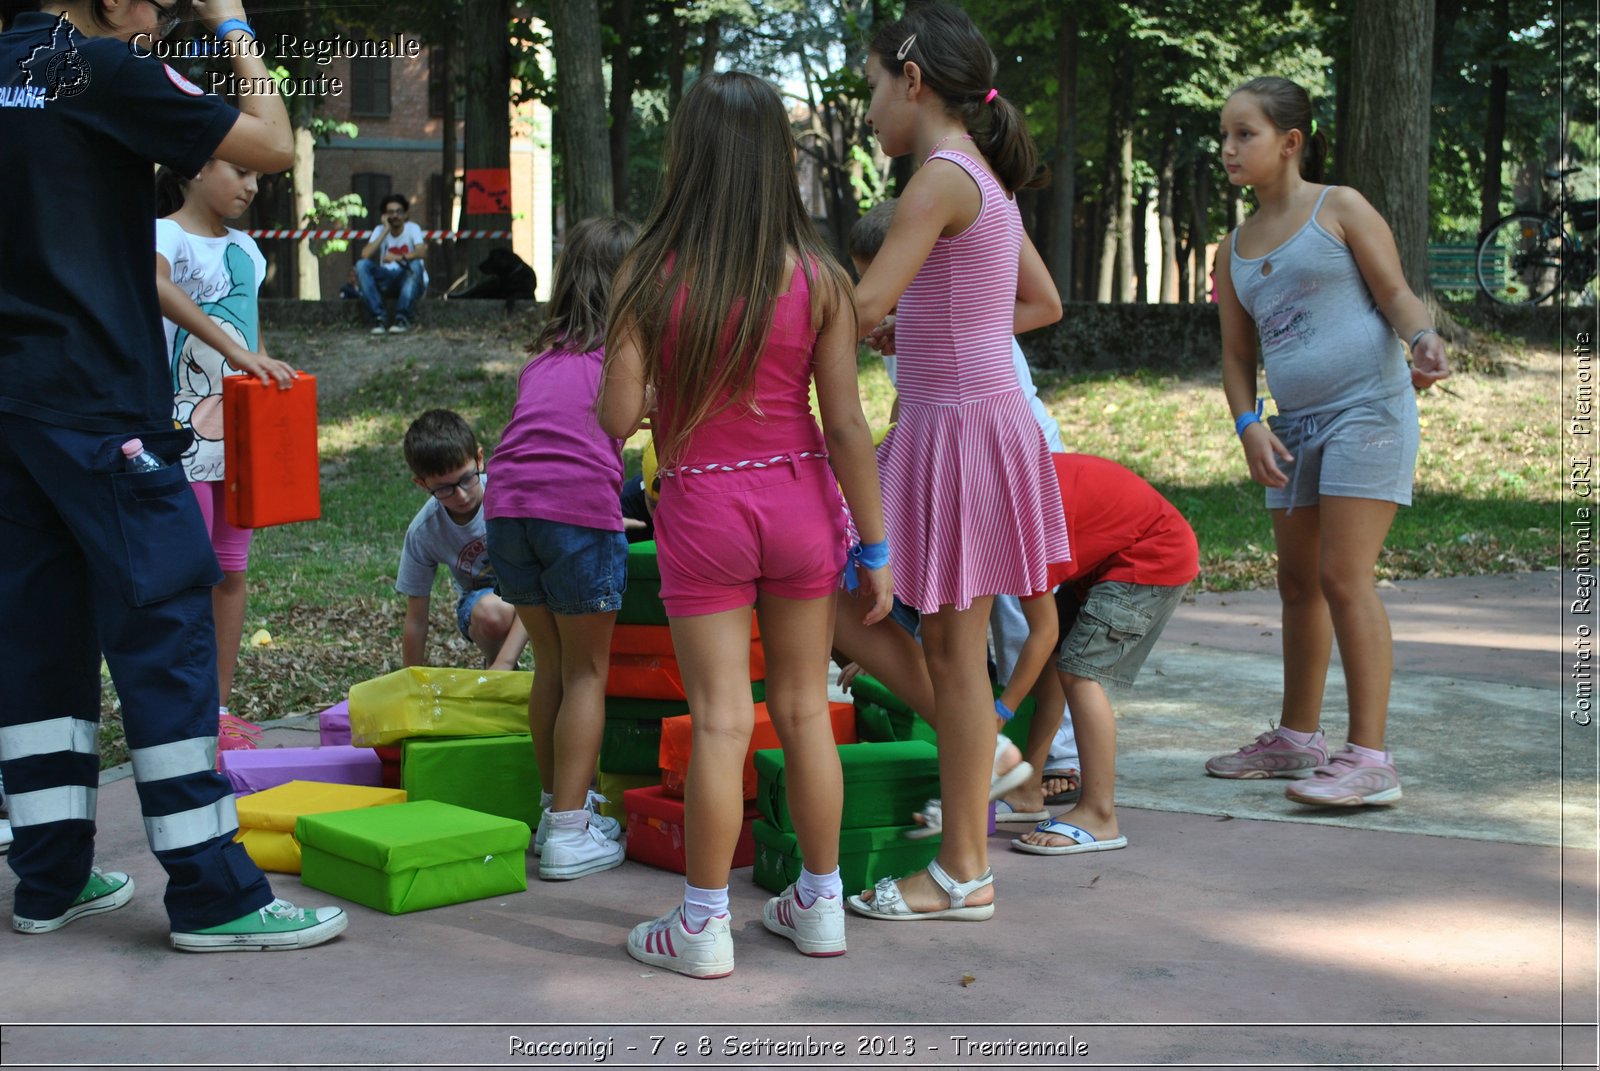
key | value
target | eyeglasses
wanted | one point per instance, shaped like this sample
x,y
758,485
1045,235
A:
x,y
170,17
466,483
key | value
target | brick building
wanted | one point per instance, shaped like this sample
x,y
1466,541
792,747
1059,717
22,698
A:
x,y
398,105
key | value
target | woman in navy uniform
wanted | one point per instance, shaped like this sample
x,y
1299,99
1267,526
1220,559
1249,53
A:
x,y
94,558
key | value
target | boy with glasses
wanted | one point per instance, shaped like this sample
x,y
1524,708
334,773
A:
x,y
447,462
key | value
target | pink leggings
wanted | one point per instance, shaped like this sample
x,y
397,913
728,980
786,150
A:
x,y
231,544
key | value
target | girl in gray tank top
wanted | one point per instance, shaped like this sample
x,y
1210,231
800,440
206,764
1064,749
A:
x,y
1312,282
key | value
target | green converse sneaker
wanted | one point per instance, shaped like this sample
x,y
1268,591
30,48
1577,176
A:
x,y
104,892
278,925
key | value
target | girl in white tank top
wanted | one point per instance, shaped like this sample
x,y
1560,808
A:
x,y
1312,280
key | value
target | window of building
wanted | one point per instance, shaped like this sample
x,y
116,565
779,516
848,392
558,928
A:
x,y
436,85
369,86
372,187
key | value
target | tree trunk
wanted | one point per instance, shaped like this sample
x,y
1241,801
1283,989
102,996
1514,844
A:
x,y
1065,193
1386,143
308,276
443,253
1200,225
1165,172
586,175
486,49
674,19
1141,268
711,41
621,101
1341,109
1117,176
1494,126
1125,252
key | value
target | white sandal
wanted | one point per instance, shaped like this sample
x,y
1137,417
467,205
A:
x,y
1001,783
932,824
888,904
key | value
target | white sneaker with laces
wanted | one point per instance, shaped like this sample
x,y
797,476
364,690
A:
x,y
604,823
573,853
665,943
817,930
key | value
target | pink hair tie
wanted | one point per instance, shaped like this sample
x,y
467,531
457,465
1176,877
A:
x,y
993,93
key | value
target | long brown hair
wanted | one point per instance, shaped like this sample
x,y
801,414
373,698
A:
x,y
717,241
575,318
958,64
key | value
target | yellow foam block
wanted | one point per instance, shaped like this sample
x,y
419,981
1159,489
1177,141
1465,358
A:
x,y
267,818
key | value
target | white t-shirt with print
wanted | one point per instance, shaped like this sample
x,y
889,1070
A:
x,y
402,245
222,276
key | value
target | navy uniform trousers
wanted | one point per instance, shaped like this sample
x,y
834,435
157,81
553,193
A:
x,y
97,560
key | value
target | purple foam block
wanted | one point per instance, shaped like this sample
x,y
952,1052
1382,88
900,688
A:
x,y
262,768
335,724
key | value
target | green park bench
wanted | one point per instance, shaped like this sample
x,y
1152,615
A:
x,y
1453,266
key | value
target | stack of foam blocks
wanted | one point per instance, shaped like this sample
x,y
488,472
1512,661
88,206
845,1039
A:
x,y
645,686
442,799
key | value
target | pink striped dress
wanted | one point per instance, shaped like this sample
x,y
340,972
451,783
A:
x,y
969,491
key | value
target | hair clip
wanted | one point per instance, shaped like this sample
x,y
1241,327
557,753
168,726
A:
x,y
1313,128
988,97
905,48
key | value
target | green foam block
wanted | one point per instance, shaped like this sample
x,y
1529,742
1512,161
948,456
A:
x,y
865,855
413,856
884,784
493,774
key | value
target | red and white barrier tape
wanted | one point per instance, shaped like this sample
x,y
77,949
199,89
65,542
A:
x,y
429,235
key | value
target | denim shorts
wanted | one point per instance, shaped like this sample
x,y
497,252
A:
x,y
464,608
567,567
1111,633
1366,451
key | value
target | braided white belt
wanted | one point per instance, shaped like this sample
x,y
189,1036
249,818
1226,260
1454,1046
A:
x,y
744,466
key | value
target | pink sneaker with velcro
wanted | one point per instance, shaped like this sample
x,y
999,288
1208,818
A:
x,y
1272,755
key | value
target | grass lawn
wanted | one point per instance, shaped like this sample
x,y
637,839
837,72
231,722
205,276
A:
x,y
1487,491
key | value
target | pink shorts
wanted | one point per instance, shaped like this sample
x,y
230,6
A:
x,y
231,544
722,537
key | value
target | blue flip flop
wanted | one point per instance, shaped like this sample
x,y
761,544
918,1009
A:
x,y
1083,841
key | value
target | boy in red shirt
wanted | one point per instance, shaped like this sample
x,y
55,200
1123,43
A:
x,y
1133,556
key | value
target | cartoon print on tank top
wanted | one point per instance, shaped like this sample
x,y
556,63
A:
x,y
198,369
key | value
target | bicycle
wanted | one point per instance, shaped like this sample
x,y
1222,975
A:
x,y
1526,256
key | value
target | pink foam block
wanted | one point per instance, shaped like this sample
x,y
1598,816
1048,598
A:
x,y
334,724
262,768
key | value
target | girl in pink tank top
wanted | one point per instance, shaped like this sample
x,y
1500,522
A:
x,y
726,312
970,494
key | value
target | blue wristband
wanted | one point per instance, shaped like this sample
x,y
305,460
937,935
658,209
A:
x,y
1244,420
230,25
1005,712
869,556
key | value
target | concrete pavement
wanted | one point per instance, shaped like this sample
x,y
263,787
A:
x,y
1237,928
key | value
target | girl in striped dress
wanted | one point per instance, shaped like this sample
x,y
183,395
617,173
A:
x,y
970,496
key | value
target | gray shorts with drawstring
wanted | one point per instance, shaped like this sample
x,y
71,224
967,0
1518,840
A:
x,y
1365,451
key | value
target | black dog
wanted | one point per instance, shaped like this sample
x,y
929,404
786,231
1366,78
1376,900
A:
x,y
508,279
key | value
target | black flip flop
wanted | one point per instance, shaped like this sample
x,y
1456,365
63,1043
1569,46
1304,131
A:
x,y
1069,796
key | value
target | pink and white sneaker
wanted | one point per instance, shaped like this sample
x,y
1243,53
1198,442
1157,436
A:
x,y
235,734
665,943
1272,755
817,930
1350,779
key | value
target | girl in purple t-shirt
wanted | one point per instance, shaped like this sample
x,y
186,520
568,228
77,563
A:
x,y
554,521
